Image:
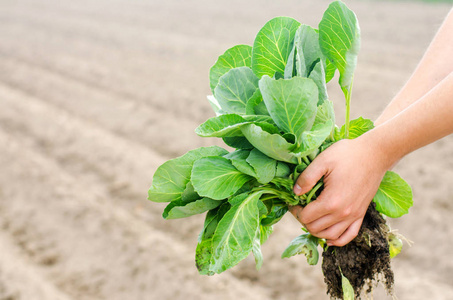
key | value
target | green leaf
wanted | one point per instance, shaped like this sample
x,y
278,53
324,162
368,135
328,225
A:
x,y
235,88
261,109
273,145
215,105
290,68
215,177
265,232
239,160
256,250
319,77
189,194
227,125
238,142
303,244
311,140
255,105
290,102
213,218
269,128
272,46
203,255
247,187
308,50
394,196
339,38
210,224
337,133
237,56
260,119
330,70
235,234
189,204
324,113
284,184
264,166
305,52
357,127
277,212
395,245
180,209
262,209
204,248
171,178
348,290
283,170
278,75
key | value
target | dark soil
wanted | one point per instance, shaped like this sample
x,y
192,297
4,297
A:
x,y
364,261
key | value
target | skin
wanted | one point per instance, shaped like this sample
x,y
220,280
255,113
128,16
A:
x,y
420,114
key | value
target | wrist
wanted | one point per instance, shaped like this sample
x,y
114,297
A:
x,y
382,148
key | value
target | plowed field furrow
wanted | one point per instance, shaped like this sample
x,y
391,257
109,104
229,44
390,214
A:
x,y
49,224
13,276
153,59
94,154
95,95
166,135
101,159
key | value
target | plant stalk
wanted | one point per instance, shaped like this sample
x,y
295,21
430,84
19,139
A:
x,y
286,197
347,91
313,191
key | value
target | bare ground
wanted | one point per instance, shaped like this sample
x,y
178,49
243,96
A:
x,y
95,95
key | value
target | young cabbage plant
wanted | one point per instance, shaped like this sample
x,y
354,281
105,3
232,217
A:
x,y
272,107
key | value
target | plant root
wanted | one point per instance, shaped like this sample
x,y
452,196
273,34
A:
x,y
364,261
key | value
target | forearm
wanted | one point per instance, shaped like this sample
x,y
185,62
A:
x,y
425,121
435,65
352,170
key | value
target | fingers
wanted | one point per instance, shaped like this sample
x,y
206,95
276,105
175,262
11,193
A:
x,y
322,224
308,179
347,236
316,226
322,206
333,232
336,234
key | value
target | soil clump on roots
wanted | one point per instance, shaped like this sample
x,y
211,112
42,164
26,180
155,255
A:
x,y
364,261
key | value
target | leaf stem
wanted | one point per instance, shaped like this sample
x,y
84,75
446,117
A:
x,y
306,160
268,198
313,191
284,196
347,91
348,101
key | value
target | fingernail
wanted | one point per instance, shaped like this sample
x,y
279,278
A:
x,y
297,189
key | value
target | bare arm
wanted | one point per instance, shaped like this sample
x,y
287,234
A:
x,y
422,123
353,169
435,65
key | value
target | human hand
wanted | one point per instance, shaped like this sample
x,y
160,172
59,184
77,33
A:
x,y
352,170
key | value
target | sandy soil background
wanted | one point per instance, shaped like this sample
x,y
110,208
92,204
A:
x,y
95,95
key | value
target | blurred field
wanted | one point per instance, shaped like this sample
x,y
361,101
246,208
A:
x,y
95,95
437,1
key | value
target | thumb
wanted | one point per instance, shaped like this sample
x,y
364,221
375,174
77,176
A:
x,y
310,176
